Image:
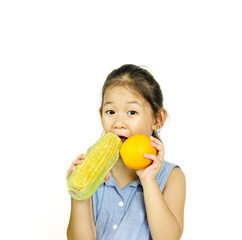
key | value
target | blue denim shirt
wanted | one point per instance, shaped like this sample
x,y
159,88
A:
x,y
120,213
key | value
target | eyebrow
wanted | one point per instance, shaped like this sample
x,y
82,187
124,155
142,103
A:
x,y
131,102
134,102
106,103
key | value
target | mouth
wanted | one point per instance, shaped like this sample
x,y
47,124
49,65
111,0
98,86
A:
x,y
123,138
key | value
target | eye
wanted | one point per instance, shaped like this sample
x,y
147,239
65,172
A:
x,y
132,112
110,112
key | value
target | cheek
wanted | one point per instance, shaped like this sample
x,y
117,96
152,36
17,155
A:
x,y
142,126
105,123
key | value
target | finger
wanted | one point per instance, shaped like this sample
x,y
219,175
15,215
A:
x,y
150,156
159,146
76,162
107,177
156,143
155,139
81,156
73,166
154,158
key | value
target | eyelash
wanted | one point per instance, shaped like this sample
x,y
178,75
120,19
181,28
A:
x,y
109,112
134,112
131,112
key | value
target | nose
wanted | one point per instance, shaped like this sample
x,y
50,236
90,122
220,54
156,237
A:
x,y
119,123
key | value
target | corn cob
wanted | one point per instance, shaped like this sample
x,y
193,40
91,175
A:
x,y
101,157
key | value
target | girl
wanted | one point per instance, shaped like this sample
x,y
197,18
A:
x,y
132,204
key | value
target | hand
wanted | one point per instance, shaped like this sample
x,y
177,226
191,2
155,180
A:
x,y
79,161
152,170
74,164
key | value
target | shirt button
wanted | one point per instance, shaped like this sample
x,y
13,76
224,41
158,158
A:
x,y
121,204
115,226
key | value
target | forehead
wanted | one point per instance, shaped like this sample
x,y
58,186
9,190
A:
x,y
125,93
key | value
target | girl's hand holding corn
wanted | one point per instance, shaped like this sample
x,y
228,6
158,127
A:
x,y
89,173
79,161
76,162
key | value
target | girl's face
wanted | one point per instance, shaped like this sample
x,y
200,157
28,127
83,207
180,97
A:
x,y
126,113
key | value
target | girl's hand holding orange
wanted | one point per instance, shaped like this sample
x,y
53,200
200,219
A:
x,y
152,170
143,154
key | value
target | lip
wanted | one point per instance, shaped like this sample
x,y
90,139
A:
x,y
123,139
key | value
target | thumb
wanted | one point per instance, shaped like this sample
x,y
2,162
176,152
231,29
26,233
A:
x,y
107,177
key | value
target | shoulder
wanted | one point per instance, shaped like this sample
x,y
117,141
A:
x,y
166,169
176,181
176,174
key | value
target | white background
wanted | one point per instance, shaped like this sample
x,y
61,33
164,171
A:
x,y
54,58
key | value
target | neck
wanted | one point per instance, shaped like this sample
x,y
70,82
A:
x,y
122,174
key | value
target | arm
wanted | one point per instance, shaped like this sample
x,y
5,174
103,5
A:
x,y
165,211
81,224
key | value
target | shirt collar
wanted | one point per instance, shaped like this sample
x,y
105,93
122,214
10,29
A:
x,y
112,183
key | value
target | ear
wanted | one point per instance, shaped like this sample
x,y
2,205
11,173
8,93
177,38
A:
x,y
100,112
160,119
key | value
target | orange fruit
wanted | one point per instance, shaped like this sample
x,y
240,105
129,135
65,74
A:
x,y
133,149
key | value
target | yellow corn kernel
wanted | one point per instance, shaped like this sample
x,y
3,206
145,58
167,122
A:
x,y
96,161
